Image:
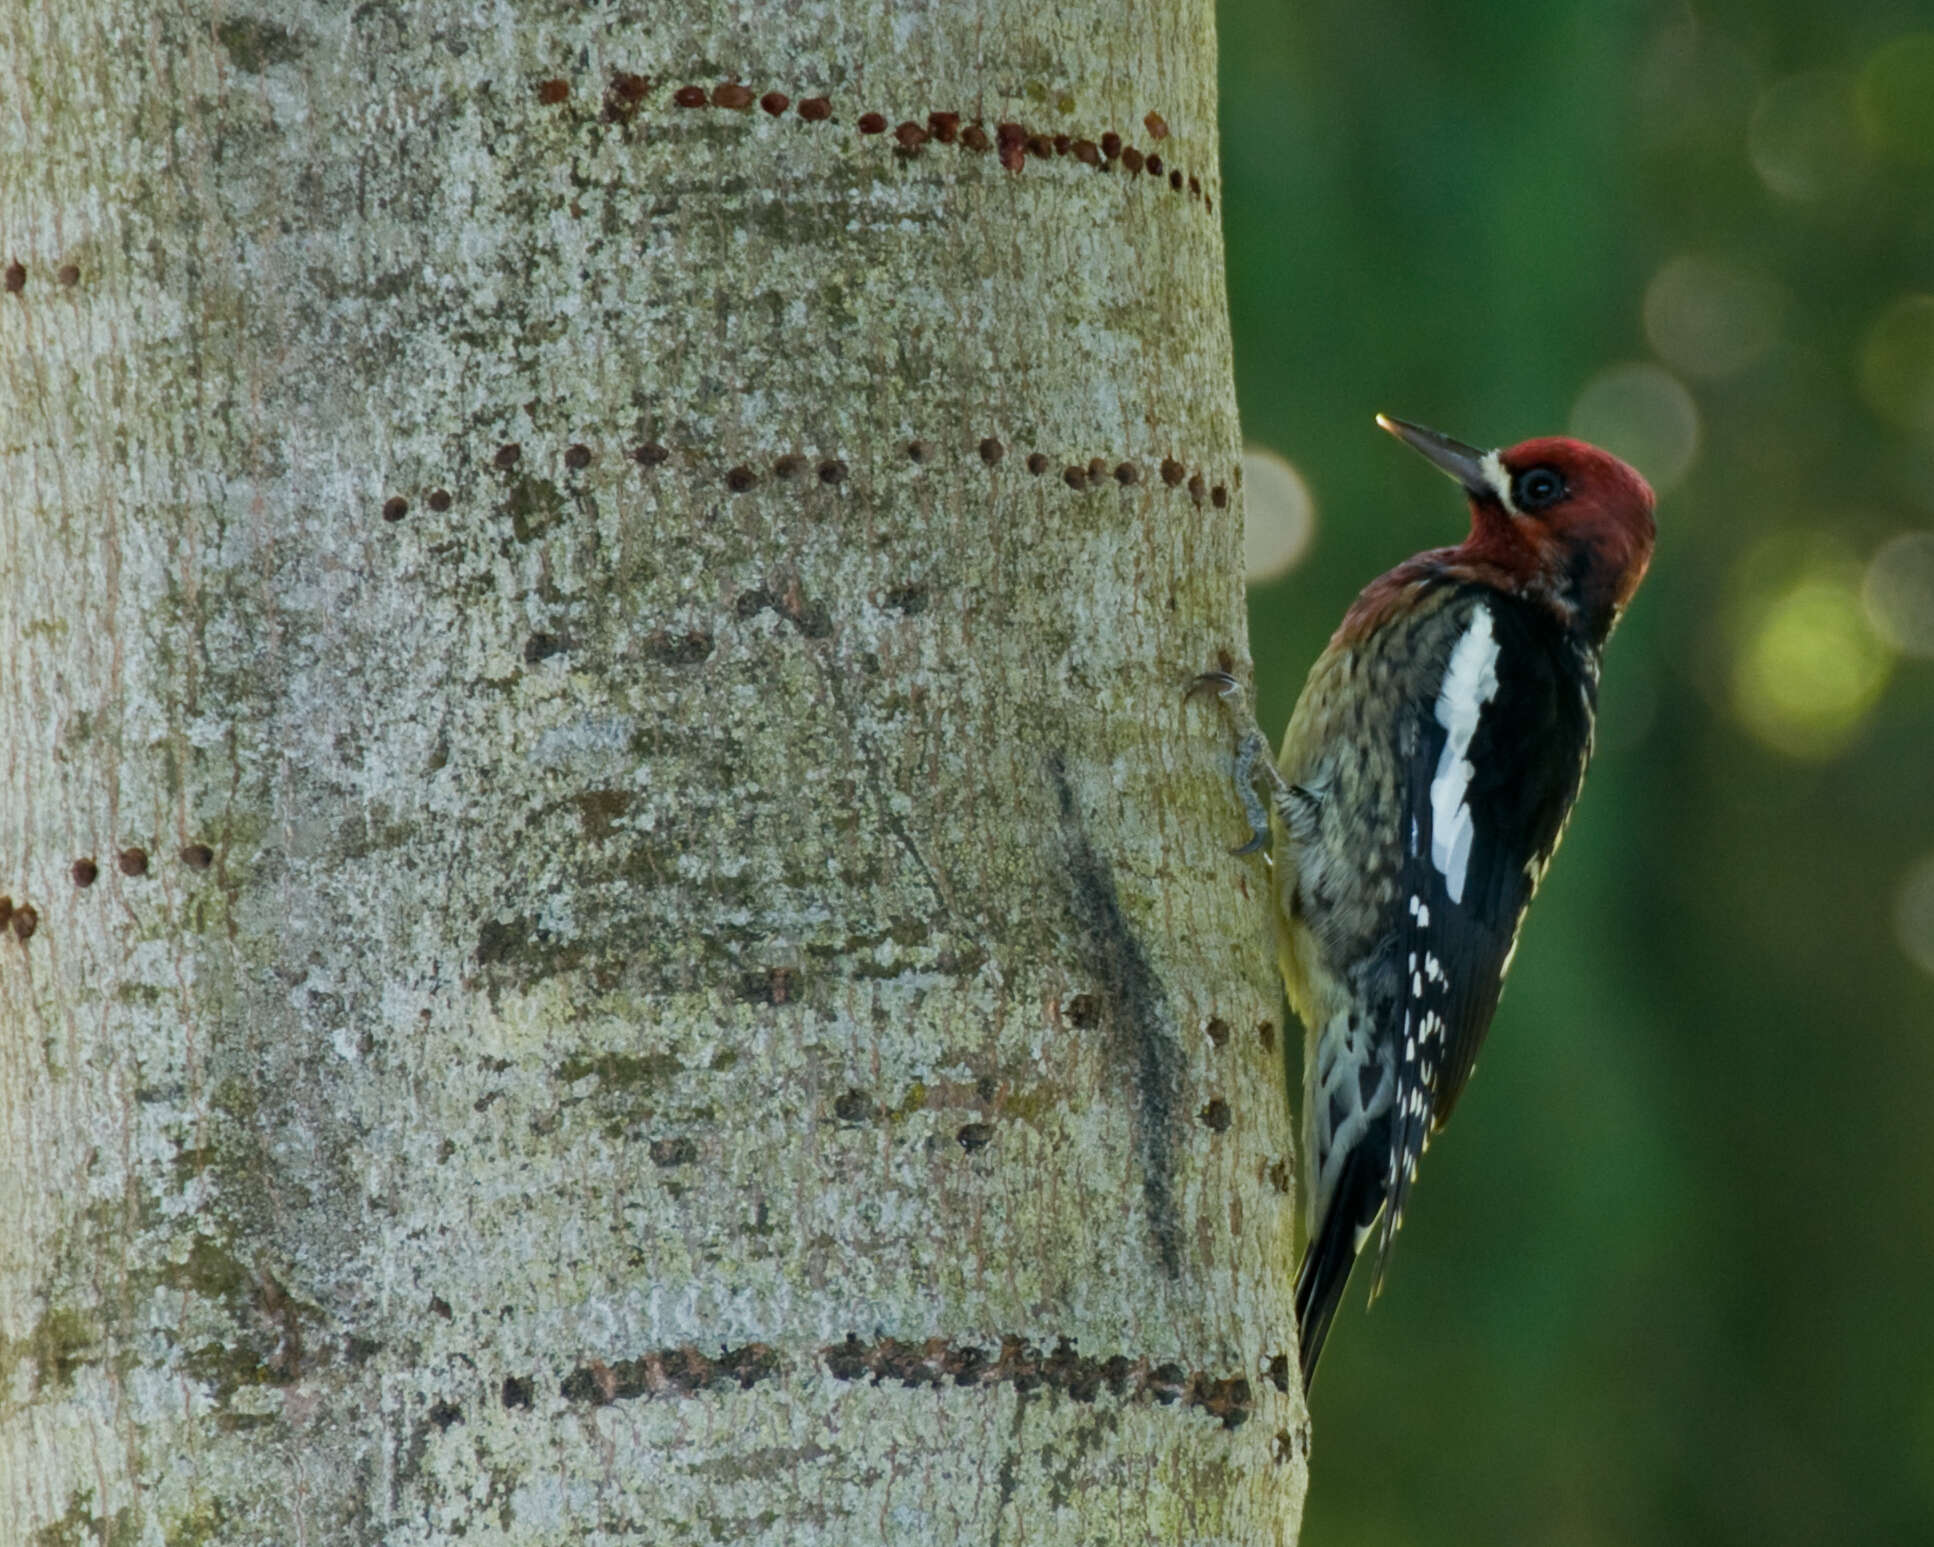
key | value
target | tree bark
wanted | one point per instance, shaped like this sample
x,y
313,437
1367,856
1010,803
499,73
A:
x,y
618,930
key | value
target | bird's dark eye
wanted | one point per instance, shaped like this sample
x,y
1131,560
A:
x,y
1538,488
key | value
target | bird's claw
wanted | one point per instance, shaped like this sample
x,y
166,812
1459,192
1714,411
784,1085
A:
x,y
1220,683
1252,758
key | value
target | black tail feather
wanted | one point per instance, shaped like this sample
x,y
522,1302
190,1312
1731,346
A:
x,y
1332,1251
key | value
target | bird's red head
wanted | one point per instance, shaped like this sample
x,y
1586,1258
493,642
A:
x,y
1553,519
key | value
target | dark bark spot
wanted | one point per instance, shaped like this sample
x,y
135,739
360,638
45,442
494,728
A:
x,y
847,1361
1137,1006
686,649
747,1364
1229,1399
1012,140
774,986
667,1154
254,44
965,1364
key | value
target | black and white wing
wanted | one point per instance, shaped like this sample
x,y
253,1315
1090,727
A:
x,y
1497,761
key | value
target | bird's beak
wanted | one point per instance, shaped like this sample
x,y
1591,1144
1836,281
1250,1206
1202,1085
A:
x,y
1462,462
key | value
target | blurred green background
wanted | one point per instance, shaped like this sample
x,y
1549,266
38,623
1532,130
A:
x,y
1670,1275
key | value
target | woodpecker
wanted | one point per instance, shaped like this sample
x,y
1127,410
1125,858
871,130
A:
x,y
1423,784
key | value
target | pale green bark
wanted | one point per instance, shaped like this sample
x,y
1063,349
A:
x,y
674,971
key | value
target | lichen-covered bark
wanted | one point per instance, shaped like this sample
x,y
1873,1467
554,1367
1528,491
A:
x,y
618,931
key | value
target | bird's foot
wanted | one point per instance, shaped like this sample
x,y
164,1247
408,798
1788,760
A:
x,y
1252,762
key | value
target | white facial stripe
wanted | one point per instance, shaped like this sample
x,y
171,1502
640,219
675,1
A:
x,y
1499,479
1470,682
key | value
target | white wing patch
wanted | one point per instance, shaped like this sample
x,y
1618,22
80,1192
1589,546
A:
x,y
1470,682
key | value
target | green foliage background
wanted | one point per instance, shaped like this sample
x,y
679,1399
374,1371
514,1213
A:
x,y
1670,1275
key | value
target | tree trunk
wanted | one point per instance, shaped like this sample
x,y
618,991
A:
x,y
618,928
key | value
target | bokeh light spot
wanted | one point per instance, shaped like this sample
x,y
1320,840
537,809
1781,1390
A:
x,y
1898,591
1895,98
1897,364
1710,318
1803,140
1279,517
1914,913
1808,669
1644,414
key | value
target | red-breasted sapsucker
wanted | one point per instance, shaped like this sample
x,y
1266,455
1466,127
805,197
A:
x,y
1423,785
